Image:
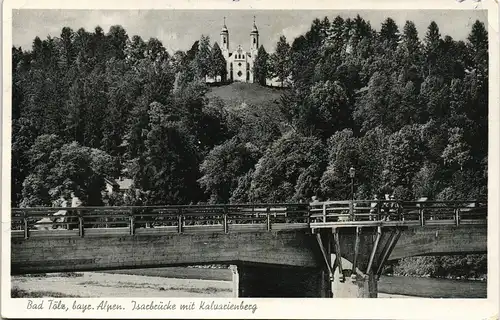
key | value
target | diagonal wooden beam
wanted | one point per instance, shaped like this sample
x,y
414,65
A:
x,y
338,254
392,243
356,249
386,247
387,244
375,246
323,252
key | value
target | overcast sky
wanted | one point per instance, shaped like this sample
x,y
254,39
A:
x,y
178,29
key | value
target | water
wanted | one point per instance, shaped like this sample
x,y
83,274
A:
x,y
433,288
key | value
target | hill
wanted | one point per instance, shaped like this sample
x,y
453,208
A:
x,y
236,93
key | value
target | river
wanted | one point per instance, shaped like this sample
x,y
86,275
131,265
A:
x,y
432,287
398,285
200,282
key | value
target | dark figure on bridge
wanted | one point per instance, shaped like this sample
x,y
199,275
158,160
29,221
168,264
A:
x,y
385,209
374,208
394,208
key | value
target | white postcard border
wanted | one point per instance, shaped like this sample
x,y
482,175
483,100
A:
x,y
270,308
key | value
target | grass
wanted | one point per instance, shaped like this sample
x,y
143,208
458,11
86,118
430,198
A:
x,y
252,94
18,293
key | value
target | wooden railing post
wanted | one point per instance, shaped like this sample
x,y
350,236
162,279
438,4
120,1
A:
x,y
400,212
324,212
379,204
80,224
25,225
224,216
268,218
457,216
351,210
308,214
179,221
132,224
421,212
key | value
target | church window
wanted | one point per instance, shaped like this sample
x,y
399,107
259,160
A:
x,y
224,40
231,65
239,64
239,73
254,40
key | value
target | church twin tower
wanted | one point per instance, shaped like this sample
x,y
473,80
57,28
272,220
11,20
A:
x,y
240,62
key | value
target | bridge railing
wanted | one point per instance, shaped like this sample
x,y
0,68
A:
x,y
175,218
222,218
427,212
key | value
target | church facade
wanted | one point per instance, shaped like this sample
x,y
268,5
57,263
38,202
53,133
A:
x,y
240,62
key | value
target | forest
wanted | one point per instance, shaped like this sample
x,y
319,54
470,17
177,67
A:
x,y
408,111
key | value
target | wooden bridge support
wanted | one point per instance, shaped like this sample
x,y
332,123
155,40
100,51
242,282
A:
x,y
354,258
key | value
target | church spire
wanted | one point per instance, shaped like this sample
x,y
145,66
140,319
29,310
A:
x,y
254,28
224,38
224,28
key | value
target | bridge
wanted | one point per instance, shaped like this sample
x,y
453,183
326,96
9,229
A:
x,y
324,249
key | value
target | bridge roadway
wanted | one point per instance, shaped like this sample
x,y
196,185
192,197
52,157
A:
x,y
280,249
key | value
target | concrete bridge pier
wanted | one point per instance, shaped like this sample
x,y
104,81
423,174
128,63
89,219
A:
x,y
355,286
355,257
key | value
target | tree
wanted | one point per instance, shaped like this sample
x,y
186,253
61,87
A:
x,y
280,61
223,167
342,155
67,54
277,172
202,61
389,33
373,107
409,53
326,109
432,42
168,168
116,40
457,152
219,64
260,69
404,158
135,49
478,47
58,170
155,50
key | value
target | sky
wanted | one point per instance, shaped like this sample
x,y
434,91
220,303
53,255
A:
x,y
178,29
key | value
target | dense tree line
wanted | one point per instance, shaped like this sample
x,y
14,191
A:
x,y
410,115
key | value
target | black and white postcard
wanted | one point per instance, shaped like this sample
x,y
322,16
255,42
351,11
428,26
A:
x,y
241,159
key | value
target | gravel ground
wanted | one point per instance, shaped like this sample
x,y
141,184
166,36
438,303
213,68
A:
x,y
93,284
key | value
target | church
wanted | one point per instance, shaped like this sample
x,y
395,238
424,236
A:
x,y
240,62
